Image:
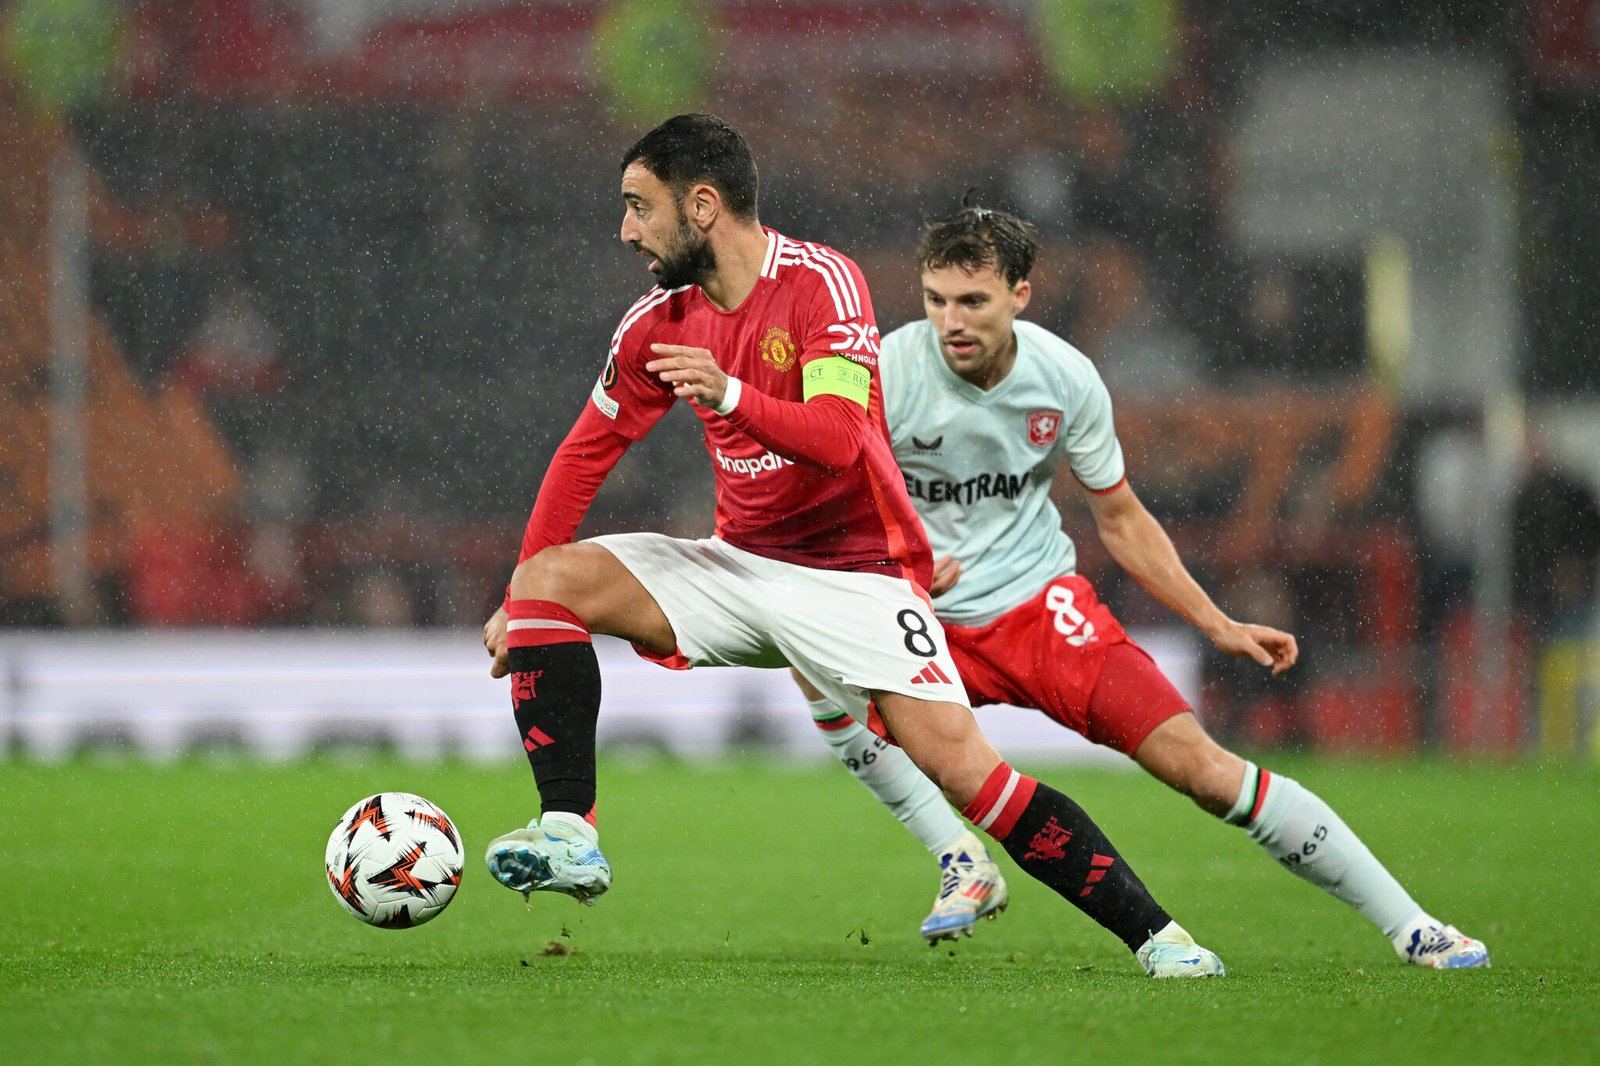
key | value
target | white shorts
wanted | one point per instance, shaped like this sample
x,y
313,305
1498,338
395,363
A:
x,y
848,633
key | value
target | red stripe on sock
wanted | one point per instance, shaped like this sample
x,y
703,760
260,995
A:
x,y
1261,795
540,638
1101,860
548,609
1094,875
978,809
1020,798
984,803
834,724
592,818
568,628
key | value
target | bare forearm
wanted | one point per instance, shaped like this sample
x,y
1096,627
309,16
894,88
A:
x,y
1138,543
1142,548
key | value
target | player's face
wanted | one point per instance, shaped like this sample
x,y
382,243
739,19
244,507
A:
x,y
655,226
972,312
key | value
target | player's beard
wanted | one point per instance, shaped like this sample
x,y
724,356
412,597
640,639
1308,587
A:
x,y
691,262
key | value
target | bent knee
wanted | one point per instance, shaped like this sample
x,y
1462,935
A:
x,y
951,752
559,573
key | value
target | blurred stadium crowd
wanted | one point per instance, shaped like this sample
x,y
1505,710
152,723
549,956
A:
x,y
353,267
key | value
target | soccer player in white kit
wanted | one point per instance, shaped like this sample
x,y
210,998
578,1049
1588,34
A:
x,y
818,561
982,409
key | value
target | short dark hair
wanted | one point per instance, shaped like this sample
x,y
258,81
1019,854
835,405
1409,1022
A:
x,y
977,237
690,148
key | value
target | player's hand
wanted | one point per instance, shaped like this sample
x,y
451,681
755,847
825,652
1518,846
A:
x,y
494,642
1270,647
692,373
946,572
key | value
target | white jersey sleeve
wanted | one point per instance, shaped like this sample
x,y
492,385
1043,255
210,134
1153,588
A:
x,y
979,464
1090,439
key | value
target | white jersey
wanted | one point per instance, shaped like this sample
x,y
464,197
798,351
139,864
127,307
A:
x,y
979,464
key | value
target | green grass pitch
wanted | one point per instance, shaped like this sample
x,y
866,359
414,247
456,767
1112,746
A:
x,y
767,913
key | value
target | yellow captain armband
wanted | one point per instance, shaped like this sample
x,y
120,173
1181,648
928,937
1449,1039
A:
x,y
837,376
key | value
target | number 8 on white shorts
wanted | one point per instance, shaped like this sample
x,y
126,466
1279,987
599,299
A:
x,y
849,633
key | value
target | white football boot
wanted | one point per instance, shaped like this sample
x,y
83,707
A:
x,y
552,858
1444,947
970,887
1173,953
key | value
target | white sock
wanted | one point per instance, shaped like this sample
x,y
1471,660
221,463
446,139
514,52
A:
x,y
1303,833
1171,933
575,821
1418,926
890,775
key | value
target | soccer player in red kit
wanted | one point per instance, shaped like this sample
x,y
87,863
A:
x,y
819,561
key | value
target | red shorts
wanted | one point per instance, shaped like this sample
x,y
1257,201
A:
x,y
1064,653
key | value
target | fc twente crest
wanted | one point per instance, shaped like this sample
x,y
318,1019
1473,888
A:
x,y
1043,427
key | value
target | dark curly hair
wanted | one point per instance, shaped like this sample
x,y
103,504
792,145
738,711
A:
x,y
976,237
697,147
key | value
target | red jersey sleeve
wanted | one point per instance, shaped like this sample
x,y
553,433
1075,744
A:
x,y
572,479
631,397
829,431
841,322
622,407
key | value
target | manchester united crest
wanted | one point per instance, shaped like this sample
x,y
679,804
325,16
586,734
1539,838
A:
x,y
777,348
1043,427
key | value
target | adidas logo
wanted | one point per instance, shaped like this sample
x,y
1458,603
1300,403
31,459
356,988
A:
x,y
931,675
1435,943
1100,864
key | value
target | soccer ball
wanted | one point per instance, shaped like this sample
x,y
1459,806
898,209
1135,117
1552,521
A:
x,y
394,860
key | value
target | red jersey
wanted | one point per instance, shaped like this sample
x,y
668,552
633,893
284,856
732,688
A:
x,y
808,496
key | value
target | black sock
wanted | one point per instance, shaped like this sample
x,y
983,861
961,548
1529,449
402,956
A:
x,y
555,693
1056,842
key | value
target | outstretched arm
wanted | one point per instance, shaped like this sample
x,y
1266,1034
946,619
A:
x,y
1138,543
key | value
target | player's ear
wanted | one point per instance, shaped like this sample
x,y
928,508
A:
x,y
704,204
1020,296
